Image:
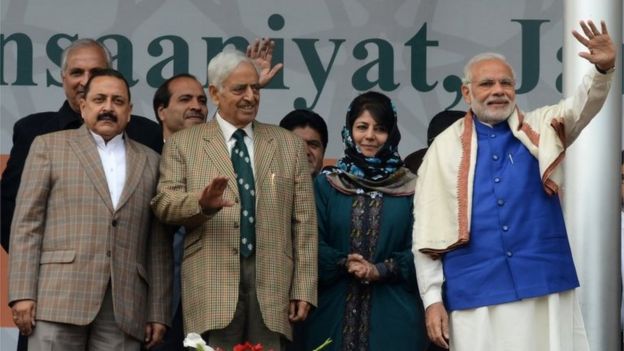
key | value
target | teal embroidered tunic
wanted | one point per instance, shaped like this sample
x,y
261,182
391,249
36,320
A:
x,y
385,315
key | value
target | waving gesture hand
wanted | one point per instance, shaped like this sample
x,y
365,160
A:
x,y
261,51
211,198
601,48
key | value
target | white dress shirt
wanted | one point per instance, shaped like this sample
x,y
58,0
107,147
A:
x,y
228,131
113,157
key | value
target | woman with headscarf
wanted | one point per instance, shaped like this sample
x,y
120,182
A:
x,y
368,296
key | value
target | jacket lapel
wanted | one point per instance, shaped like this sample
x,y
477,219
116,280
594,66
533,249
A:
x,y
264,149
135,163
217,152
86,151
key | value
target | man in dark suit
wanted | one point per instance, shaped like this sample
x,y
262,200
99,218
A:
x,y
77,62
180,102
437,125
310,127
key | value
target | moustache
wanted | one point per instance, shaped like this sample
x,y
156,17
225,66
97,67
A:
x,y
107,116
497,100
195,115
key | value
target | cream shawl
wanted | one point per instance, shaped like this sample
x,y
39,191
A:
x,y
443,199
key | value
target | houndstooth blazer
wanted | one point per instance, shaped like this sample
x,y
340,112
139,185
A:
x,y
68,242
286,232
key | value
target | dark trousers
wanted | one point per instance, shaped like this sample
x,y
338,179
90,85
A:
x,y
22,343
175,335
297,343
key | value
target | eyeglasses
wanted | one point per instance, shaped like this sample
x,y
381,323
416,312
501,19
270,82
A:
x,y
506,83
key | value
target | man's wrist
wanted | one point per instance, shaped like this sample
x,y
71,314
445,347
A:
x,y
206,210
605,71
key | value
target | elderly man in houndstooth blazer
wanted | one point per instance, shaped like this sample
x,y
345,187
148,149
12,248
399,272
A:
x,y
90,267
228,295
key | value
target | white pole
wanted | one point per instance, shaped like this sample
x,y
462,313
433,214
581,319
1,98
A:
x,y
591,189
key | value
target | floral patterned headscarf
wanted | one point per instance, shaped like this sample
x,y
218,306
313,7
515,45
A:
x,y
387,160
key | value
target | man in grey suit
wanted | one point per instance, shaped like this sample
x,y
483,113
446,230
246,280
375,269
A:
x,y
89,266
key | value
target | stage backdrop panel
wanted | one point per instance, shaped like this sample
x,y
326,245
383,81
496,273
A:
x,y
414,51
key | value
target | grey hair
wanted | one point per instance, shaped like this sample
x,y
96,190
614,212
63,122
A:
x,y
483,57
222,65
82,43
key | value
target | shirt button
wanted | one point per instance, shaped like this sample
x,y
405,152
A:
x,y
492,136
495,157
234,251
114,223
509,254
500,202
497,180
236,199
108,253
236,225
505,228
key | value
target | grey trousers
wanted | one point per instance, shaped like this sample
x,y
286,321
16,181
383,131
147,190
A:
x,y
102,334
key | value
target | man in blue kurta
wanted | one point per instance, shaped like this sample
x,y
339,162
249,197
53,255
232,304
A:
x,y
490,242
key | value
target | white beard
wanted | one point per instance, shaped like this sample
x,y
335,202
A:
x,y
489,115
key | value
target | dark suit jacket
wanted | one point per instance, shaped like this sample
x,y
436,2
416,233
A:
x,y
25,130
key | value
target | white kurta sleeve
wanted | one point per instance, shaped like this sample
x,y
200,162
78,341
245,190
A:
x,y
430,278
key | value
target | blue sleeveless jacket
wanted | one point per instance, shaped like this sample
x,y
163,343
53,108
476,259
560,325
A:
x,y
518,247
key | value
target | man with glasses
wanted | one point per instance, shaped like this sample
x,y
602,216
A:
x,y
490,242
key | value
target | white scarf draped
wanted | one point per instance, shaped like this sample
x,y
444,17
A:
x,y
443,199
